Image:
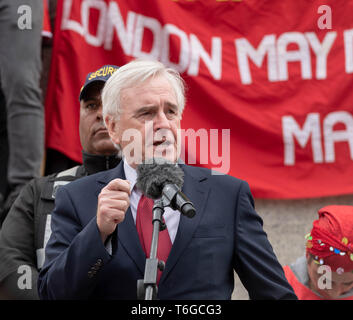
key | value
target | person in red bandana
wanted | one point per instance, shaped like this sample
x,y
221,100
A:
x,y
326,272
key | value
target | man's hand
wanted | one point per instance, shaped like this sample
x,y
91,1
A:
x,y
113,201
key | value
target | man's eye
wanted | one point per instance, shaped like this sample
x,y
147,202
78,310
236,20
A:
x,y
171,113
91,106
146,114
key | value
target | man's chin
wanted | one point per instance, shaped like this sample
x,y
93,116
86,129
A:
x,y
168,154
156,152
105,147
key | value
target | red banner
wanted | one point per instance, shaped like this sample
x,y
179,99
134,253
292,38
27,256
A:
x,y
270,83
46,31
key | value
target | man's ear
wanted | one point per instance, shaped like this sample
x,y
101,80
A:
x,y
112,128
309,257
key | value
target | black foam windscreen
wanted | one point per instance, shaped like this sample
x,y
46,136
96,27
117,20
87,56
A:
x,y
153,175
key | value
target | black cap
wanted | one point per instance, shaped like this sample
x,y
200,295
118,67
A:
x,y
101,75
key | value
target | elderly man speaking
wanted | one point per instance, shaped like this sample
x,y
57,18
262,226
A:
x,y
97,249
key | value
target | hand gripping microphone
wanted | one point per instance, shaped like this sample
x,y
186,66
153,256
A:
x,y
162,178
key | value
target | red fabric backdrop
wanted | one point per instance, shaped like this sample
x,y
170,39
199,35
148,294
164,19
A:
x,y
276,76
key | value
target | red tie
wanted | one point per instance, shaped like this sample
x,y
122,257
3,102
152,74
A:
x,y
144,229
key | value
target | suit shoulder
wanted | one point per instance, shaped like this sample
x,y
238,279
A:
x,y
214,176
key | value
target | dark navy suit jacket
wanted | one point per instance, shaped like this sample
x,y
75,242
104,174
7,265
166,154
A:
x,y
226,234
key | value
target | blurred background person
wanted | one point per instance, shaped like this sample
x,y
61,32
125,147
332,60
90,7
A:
x,y
21,107
26,228
326,271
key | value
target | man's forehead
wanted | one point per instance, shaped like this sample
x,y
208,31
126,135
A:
x,y
148,95
153,83
342,278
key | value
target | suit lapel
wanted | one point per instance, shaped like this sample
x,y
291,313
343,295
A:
x,y
126,231
128,237
197,193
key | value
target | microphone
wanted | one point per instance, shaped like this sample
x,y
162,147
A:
x,y
162,178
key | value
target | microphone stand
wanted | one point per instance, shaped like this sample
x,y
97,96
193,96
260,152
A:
x,y
147,287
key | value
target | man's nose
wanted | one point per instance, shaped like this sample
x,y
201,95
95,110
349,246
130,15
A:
x,y
100,112
161,121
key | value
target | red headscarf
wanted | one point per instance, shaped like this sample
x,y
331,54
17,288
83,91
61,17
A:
x,y
331,238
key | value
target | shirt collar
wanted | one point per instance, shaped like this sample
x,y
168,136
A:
x,y
130,174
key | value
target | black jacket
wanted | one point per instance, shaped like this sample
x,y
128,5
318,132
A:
x,y
26,229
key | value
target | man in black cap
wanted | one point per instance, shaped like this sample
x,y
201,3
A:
x,y
26,229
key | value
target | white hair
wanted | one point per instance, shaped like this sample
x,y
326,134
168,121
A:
x,y
133,74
